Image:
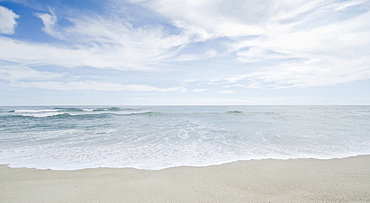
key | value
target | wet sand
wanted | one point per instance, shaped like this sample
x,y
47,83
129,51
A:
x,y
297,180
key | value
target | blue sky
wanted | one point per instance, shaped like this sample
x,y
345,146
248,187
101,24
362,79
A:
x,y
161,52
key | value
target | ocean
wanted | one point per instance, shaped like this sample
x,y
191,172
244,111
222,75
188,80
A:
x,y
158,137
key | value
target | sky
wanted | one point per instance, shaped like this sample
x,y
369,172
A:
x,y
184,52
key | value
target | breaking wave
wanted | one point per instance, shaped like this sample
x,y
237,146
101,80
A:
x,y
69,112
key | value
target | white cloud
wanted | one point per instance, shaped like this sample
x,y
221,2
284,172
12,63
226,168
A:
x,y
199,90
140,52
49,21
42,54
14,73
222,101
294,47
190,80
25,77
346,4
315,73
97,86
204,19
329,54
7,19
226,91
319,71
282,43
208,19
97,42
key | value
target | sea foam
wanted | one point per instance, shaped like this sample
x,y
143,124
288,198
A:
x,y
157,137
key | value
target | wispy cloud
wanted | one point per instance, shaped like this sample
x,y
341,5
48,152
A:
x,y
199,90
211,47
293,47
16,73
103,43
326,55
95,41
226,91
223,101
96,86
131,56
49,21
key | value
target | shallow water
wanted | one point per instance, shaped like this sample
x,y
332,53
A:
x,y
156,137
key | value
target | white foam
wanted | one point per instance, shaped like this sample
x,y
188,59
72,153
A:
x,y
42,115
92,152
89,110
175,139
34,111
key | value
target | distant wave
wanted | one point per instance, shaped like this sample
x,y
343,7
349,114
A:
x,y
44,115
72,109
62,115
234,112
144,113
69,109
73,112
158,137
33,111
90,109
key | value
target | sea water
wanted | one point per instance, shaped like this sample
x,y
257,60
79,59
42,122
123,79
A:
x,y
157,137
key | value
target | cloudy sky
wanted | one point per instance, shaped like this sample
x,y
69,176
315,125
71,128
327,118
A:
x,y
127,52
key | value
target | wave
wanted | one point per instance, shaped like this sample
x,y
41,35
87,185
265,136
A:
x,y
162,137
96,109
33,110
43,115
235,112
143,113
69,109
60,114
108,109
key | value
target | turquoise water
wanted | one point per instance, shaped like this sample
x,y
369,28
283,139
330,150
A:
x,y
157,137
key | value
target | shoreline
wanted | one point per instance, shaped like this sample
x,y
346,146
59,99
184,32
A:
x,y
292,180
178,166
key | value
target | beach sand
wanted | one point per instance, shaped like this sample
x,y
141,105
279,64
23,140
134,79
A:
x,y
298,180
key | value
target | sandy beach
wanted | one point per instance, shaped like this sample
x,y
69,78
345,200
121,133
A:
x,y
299,180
